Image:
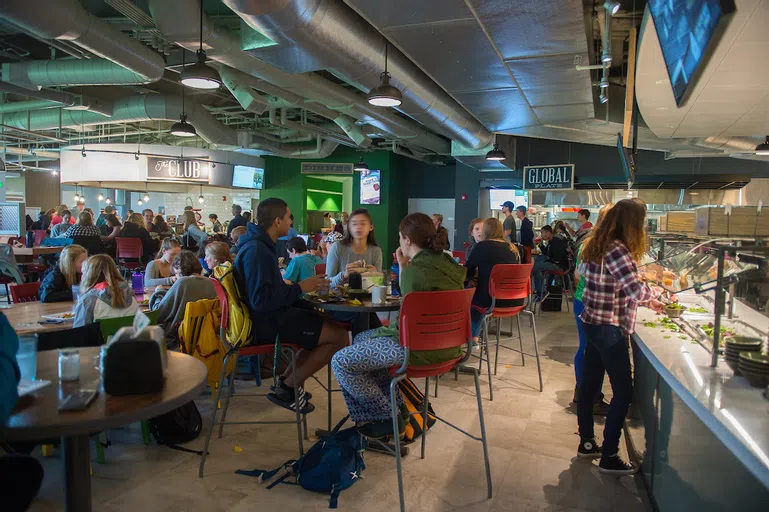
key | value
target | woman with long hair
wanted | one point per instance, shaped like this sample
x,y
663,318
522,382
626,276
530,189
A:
x,y
163,228
475,229
362,369
493,249
57,282
443,233
357,251
612,293
104,294
216,253
113,227
159,271
194,236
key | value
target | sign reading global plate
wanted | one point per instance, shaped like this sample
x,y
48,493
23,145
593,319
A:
x,y
548,177
179,170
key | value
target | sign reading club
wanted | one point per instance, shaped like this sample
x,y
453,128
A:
x,y
548,177
173,169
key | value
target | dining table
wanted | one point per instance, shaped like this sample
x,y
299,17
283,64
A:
x,y
361,305
37,417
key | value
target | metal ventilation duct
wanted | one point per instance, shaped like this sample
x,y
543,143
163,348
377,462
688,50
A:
x,y
68,20
338,38
69,72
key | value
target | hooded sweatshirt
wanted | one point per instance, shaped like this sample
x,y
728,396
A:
x,y
96,304
429,271
258,276
54,287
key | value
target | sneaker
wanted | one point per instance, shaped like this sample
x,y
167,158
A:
x,y
307,394
600,408
614,465
381,429
285,398
588,449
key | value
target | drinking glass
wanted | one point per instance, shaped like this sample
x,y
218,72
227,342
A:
x,y
27,356
75,292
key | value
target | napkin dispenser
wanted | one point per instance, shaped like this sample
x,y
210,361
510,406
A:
x,y
355,281
135,362
371,279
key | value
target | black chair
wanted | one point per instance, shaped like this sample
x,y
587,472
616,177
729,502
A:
x,y
79,337
92,244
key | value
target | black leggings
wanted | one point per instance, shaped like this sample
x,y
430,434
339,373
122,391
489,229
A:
x,y
20,479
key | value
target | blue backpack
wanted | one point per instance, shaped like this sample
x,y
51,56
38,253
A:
x,y
330,466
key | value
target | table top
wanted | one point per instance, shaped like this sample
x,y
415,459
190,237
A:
x,y
40,419
35,251
366,306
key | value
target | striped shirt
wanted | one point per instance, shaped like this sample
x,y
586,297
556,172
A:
x,y
614,290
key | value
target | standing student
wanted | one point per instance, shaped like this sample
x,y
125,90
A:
x,y
159,271
527,233
104,294
273,308
357,251
443,233
237,219
613,291
509,223
584,224
195,235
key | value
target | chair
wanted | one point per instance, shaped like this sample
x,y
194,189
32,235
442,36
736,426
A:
x,y
462,255
5,280
433,321
40,234
288,350
320,269
130,248
561,277
509,282
28,292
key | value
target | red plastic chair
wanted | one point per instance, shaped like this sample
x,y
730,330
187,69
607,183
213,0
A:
x,y
129,248
288,350
434,321
510,282
462,255
40,235
5,280
28,292
320,269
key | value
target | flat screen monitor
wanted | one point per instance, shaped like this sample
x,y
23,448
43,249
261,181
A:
x,y
688,32
244,176
498,196
370,187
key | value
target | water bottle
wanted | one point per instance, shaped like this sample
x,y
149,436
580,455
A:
x,y
30,242
137,283
395,270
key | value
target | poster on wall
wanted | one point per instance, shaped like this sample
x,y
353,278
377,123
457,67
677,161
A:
x,y
370,187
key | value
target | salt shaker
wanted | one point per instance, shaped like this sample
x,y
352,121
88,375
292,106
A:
x,y
69,364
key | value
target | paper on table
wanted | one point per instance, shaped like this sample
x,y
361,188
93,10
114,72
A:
x,y
26,387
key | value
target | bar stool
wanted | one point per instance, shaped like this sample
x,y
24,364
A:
x,y
561,277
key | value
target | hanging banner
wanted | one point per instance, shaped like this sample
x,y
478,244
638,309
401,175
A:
x,y
370,187
548,177
178,170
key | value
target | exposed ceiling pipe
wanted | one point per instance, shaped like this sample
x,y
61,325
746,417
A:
x,y
34,74
39,153
237,83
65,99
338,38
321,148
730,144
21,106
178,21
68,20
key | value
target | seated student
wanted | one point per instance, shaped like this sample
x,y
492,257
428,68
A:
x,y
111,228
134,228
235,237
553,257
104,294
357,245
190,286
271,304
162,226
149,217
20,475
58,281
476,230
363,369
302,264
62,227
159,271
493,249
216,253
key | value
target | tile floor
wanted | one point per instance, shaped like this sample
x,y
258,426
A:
x,y
532,438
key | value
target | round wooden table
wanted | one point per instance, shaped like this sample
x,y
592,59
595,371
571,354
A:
x,y
185,378
366,306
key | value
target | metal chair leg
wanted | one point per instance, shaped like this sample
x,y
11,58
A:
x,y
496,352
299,433
483,433
437,379
520,338
328,392
536,353
213,419
424,412
397,440
488,367
230,392
483,341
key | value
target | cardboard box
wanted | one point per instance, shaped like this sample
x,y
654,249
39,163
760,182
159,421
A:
x,y
681,222
745,221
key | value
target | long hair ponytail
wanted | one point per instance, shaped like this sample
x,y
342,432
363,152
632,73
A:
x,y
419,228
102,269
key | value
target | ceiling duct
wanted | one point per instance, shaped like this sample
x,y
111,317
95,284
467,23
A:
x,y
48,99
178,20
237,83
63,98
69,72
339,39
68,20
730,144
22,106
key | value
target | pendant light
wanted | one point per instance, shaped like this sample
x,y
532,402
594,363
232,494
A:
x,y
360,166
146,194
183,128
201,199
101,196
139,202
108,201
200,75
496,154
77,196
763,148
385,95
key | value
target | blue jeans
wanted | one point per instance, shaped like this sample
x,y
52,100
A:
x,y
579,357
541,265
606,350
476,320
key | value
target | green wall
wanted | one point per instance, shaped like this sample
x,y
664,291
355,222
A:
x,y
322,194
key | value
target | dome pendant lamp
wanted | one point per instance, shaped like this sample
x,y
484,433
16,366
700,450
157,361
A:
x,y
201,199
763,148
200,75
385,95
183,128
496,154
360,166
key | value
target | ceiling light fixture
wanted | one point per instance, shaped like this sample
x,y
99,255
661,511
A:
x,y
55,172
100,198
77,196
183,128
200,75
146,194
604,97
139,202
360,166
201,199
385,95
604,83
82,152
611,7
496,154
108,201
763,148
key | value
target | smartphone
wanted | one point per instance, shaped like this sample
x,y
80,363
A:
x,y
79,400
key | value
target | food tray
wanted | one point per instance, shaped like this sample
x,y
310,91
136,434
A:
x,y
60,317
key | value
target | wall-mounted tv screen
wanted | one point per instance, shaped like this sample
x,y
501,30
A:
x,y
244,176
688,32
498,196
370,187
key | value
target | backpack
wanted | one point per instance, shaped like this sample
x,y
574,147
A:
x,y
179,426
239,321
199,337
331,465
414,400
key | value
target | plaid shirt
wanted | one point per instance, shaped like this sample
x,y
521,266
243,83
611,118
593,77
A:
x,y
613,290
78,230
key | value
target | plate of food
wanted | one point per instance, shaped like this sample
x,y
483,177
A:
x,y
59,317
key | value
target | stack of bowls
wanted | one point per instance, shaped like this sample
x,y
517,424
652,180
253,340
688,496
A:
x,y
733,345
754,366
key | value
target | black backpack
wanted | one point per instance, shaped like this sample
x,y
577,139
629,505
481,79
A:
x,y
179,426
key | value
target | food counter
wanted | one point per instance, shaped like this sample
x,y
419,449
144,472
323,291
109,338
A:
x,y
701,432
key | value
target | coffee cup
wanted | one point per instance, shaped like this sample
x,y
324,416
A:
x,y
378,294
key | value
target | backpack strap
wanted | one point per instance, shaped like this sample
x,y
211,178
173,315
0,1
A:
x,y
333,499
183,449
265,475
339,425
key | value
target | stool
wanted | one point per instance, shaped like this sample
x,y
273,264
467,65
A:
x,y
557,276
